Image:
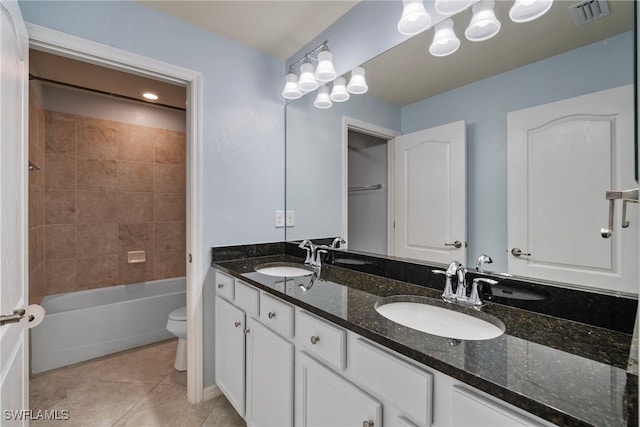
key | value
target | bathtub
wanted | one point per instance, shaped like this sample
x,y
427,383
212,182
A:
x,y
82,325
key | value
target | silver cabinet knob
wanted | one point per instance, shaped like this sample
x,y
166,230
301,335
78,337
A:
x,y
237,324
315,339
518,252
246,331
457,244
272,314
368,423
220,286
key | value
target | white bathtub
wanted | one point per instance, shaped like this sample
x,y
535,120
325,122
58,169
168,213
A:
x,y
83,325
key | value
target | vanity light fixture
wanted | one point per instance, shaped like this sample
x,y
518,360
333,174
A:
x,y
528,10
323,101
339,92
325,71
445,41
291,88
451,7
357,84
415,18
484,23
150,96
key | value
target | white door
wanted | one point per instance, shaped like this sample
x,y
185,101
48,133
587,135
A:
x,y
430,194
269,377
14,376
562,158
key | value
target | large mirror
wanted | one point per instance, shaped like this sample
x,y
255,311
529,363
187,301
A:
x,y
525,65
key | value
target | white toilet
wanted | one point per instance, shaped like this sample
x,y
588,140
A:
x,y
177,325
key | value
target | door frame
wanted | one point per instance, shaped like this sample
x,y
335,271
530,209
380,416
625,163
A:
x,y
73,47
350,123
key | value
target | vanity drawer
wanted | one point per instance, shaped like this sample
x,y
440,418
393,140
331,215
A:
x,y
404,385
224,285
246,298
277,315
322,339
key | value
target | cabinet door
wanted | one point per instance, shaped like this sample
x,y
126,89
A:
x,y
269,377
323,398
230,353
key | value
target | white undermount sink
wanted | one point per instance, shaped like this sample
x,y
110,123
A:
x,y
281,269
442,321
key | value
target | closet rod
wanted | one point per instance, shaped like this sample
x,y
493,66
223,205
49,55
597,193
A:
x,y
366,187
101,92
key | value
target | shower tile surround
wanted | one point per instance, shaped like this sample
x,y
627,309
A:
x,y
110,187
568,326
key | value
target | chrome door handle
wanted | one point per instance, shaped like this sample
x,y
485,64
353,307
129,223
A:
x,y
518,252
457,244
17,316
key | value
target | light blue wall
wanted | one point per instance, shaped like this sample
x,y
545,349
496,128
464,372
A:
x,y
485,104
243,126
314,159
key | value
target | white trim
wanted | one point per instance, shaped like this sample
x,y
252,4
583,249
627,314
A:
x,y
350,123
62,44
212,392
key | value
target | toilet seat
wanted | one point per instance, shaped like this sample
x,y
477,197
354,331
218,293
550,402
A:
x,y
179,314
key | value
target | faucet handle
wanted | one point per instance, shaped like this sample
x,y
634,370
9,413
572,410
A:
x,y
475,296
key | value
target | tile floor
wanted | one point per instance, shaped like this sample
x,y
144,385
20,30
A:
x,y
137,387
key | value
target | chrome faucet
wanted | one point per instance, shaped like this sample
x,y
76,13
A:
x,y
311,251
482,260
337,242
460,297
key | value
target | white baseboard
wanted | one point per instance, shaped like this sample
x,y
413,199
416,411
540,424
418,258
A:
x,y
211,392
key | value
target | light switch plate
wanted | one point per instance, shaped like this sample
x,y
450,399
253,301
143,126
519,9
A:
x,y
279,219
291,218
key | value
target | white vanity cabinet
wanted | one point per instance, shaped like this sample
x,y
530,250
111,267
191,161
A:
x,y
253,364
341,378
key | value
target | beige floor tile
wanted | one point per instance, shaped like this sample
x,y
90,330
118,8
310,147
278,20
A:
x,y
166,405
223,415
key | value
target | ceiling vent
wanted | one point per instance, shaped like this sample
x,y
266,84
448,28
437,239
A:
x,y
589,10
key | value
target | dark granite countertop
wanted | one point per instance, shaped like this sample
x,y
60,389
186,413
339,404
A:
x,y
569,373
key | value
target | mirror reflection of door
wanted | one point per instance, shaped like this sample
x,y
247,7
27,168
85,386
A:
x,y
367,193
430,194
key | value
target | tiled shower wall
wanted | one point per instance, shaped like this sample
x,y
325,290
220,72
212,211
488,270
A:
x,y
36,199
111,188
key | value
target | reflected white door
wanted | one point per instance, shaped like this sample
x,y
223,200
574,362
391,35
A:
x,y
13,209
562,158
430,194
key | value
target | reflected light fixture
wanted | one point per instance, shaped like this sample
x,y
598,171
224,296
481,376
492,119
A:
x,y
484,23
325,71
323,101
339,92
150,96
291,88
307,81
445,41
528,10
451,7
415,18
357,84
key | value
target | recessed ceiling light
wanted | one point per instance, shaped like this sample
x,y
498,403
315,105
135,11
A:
x,y
151,96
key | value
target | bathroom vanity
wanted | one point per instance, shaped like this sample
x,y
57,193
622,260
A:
x,y
292,351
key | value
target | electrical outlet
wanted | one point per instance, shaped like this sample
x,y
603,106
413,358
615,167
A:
x,y
279,219
291,218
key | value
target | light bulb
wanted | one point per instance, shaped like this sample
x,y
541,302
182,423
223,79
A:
x,y
339,91
357,84
323,101
445,41
415,18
